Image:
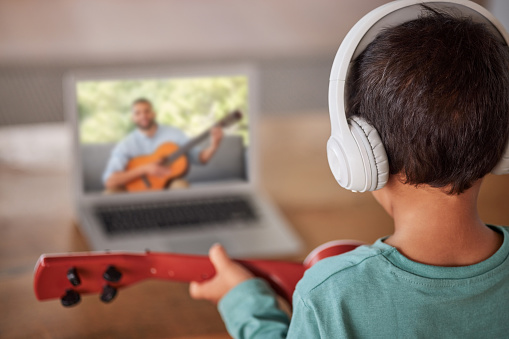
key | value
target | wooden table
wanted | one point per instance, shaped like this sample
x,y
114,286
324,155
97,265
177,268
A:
x,y
36,217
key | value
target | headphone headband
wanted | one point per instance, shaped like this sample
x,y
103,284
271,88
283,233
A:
x,y
398,12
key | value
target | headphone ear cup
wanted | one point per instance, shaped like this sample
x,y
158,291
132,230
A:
x,y
374,152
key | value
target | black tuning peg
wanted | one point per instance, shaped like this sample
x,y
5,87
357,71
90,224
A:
x,y
70,298
72,276
112,274
109,293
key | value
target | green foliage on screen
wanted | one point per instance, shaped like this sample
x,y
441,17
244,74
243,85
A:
x,y
191,104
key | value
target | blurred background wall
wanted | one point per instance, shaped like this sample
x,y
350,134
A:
x,y
292,43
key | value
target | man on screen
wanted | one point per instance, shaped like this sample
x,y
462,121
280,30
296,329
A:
x,y
147,137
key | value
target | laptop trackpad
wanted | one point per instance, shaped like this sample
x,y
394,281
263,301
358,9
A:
x,y
195,246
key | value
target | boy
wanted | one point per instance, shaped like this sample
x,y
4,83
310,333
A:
x,y
437,91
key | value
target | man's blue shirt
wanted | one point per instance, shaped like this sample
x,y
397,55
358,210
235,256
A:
x,y
137,143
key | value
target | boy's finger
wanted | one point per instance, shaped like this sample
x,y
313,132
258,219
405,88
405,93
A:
x,y
218,256
196,290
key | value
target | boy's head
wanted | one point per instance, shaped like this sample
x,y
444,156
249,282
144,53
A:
x,y
437,91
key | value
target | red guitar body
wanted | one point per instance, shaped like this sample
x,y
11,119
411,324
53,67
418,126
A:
x,y
66,277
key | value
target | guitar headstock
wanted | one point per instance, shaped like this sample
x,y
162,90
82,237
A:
x,y
68,276
230,119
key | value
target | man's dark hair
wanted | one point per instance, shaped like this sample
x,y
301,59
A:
x,y
437,90
141,101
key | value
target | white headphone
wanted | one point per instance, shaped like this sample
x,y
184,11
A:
x,y
356,155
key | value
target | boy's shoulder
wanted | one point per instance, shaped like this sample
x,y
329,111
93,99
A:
x,y
351,268
370,266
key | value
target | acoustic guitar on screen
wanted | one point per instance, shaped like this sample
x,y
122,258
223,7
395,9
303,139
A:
x,y
174,157
68,276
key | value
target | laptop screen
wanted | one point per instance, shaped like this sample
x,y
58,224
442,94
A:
x,y
159,134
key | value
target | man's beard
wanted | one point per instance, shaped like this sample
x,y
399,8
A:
x,y
147,127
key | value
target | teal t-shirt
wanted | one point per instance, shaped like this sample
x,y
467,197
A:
x,y
376,292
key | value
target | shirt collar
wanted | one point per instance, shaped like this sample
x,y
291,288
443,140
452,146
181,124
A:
x,y
441,272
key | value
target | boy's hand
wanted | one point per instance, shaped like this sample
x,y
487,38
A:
x,y
228,275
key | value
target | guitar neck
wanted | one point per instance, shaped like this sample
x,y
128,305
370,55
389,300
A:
x,y
224,122
281,275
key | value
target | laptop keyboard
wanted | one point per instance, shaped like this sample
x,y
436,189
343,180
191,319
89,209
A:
x,y
233,210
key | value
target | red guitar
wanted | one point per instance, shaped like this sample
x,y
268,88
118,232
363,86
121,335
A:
x,y
68,276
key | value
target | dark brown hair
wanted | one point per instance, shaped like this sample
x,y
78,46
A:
x,y
437,91
141,101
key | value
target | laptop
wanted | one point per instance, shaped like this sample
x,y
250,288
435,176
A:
x,y
219,201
